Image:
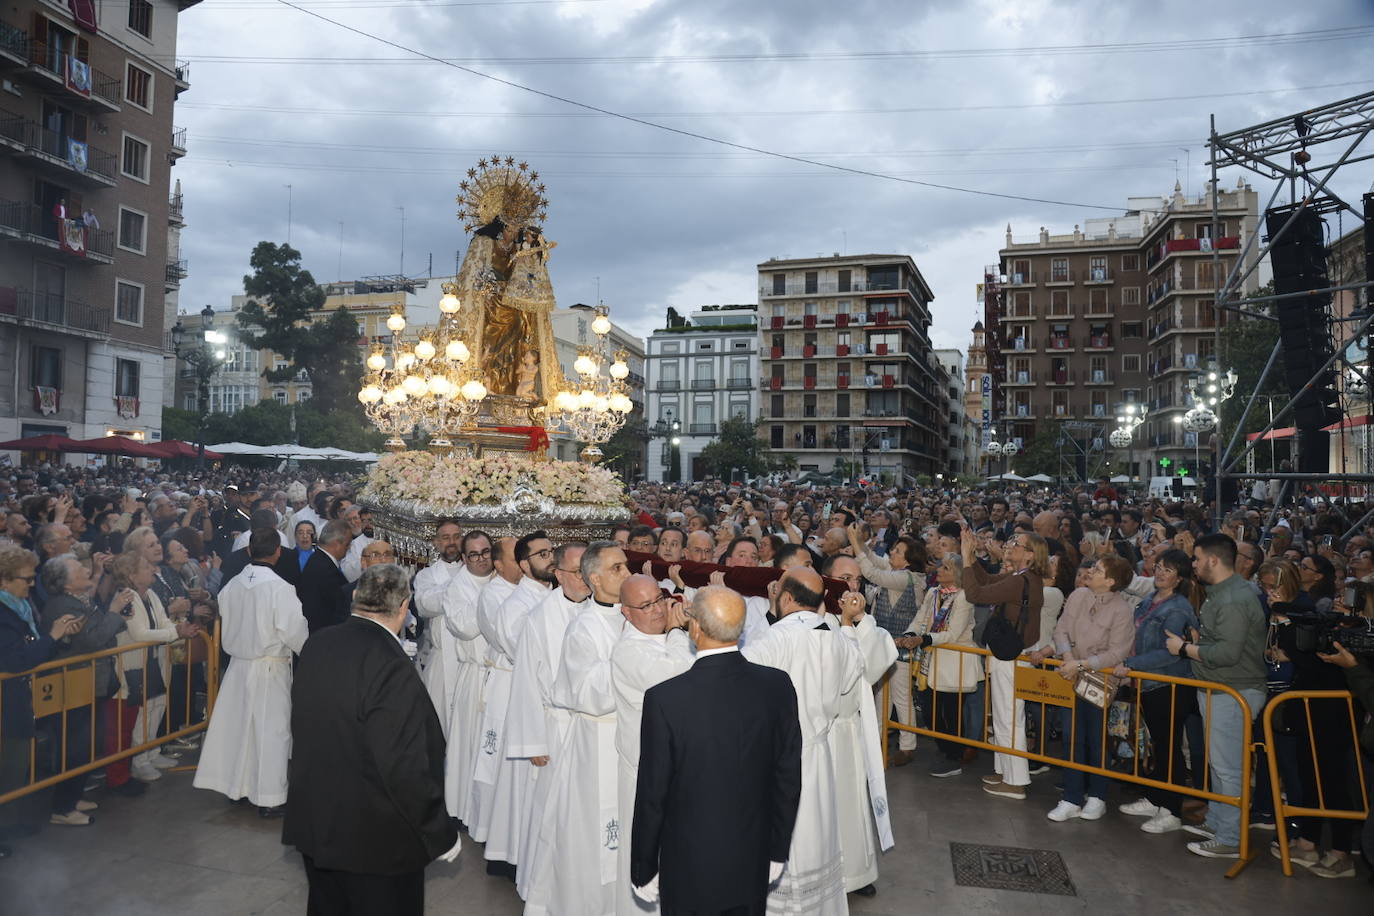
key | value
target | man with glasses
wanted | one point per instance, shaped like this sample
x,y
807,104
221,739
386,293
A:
x,y
508,780
1248,560
501,586
701,547
534,726
652,648
574,866
437,662
469,650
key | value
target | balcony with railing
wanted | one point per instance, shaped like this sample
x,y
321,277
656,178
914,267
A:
x,y
30,223
79,81
54,311
1020,377
1160,328
670,384
1059,376
1098,377
175,213
1020,345
178,147
1021,278
832,288
182,71
1059,342
1098,275
1099,342
58,151
703,384
701,429
176,269
740,383
14,45
1166,247
1058,276
1014,312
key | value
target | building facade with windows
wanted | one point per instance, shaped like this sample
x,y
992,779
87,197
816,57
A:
x,y
699,371
571,330
89,224
1117,312
849,377
962,455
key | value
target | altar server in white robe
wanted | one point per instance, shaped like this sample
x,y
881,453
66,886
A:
x,y
535,728
494,594
856,746
352,563
825,666
469,650
249,739
512,780
437,665
575,865
652,648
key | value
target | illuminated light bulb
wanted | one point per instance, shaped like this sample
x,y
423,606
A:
x,y
1211,389
601,325
1178,418
457,350
601,404
619,371
474,390
397,322
1211,376
370,394
621,404
220,354
376,362
414,386
584,365
405,360
438,385
565,400
449,304
395,395
424,350
586,400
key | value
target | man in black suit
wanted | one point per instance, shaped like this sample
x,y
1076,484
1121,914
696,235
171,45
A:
x,y
322,582
719,774
365,785
286,565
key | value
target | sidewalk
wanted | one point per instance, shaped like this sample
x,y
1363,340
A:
x,y
179,851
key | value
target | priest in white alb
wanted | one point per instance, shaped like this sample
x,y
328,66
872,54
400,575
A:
x,y
824,667
535,728
856,746
248,741
579,837
469,649
494,594
652,648
512,780
437,665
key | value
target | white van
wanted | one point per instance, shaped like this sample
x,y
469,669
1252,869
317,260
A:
x,y
1163,487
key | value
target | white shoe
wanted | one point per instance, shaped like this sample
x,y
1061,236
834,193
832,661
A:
x,y
1163,822
163,762
1064,811
1141,807
145,772
1093,808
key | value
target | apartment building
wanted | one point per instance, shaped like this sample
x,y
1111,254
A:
x,y
848,372
90,257
961,457
1119,311
700,370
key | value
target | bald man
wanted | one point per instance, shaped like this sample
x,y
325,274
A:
x,y
652,648
826,667
701,547
720,774
1046,524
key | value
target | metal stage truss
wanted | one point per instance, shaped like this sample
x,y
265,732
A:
x,y
1285,150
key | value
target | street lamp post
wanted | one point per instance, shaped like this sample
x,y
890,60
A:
x,y
203,352
1129,417
670,429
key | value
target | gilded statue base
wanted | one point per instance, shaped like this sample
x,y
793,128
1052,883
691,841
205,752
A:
x,y
411,532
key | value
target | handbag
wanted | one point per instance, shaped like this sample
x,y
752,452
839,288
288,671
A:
x,y
151,674
1001,637
1095,687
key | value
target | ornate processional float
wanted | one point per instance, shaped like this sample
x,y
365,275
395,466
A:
x,y
485,386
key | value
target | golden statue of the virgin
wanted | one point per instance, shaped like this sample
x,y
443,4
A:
x,y
505,276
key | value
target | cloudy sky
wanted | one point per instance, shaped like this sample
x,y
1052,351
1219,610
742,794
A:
x,y
1080,102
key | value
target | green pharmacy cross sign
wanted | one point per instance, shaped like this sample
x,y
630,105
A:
x,y
1164,463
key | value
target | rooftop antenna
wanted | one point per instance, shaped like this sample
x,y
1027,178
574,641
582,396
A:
x,y
403,240
288,213
1187,170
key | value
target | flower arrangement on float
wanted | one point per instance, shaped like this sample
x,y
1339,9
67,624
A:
x,y
461,485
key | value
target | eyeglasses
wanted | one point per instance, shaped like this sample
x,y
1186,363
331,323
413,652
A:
x,y
541,554
571,572
646,606
478,554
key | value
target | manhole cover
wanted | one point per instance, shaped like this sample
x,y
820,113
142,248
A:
x,y
1008,868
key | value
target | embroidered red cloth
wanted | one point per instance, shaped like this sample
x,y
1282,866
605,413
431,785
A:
x,y
747,580
538,436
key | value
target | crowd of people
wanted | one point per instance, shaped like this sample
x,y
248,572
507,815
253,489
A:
x,y
537,656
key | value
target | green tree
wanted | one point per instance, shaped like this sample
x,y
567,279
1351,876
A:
x,y
737,448
1041,454
264,423
284,300
179,424
624,453
1247,344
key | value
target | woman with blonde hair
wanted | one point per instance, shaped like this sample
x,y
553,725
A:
x,y
1019,591
945,619
144,674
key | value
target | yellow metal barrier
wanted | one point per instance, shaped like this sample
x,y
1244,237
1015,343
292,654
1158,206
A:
x,y
1036,685
63,685
1282,810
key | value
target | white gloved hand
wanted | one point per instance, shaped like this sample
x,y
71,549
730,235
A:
x,y
775,872
411,648
649,892
452,854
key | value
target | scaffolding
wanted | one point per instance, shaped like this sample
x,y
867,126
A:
x,y
1285,150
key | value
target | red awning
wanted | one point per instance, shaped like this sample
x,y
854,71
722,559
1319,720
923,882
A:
x,y
1347,423
1286,432
48,442
116,445
175,448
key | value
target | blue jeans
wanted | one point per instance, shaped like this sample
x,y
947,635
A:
x,y
1087,748
1225,727
974,715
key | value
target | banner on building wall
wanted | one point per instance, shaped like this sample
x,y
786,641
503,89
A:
x,y
72,237
77,155
79,76
46,400
126,406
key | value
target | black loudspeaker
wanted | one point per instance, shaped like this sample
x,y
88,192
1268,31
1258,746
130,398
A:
x,y
1369,243
1299,262
1314,451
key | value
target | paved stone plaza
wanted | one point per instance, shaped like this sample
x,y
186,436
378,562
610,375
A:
x,y
183,852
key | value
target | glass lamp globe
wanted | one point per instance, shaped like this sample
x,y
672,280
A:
x,y
619,370
584,365
1009,449
586,399
439,386
397,322
414,386
449,304
457,350
424,349
376,362
1119,438
473,390
601,325
621,404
